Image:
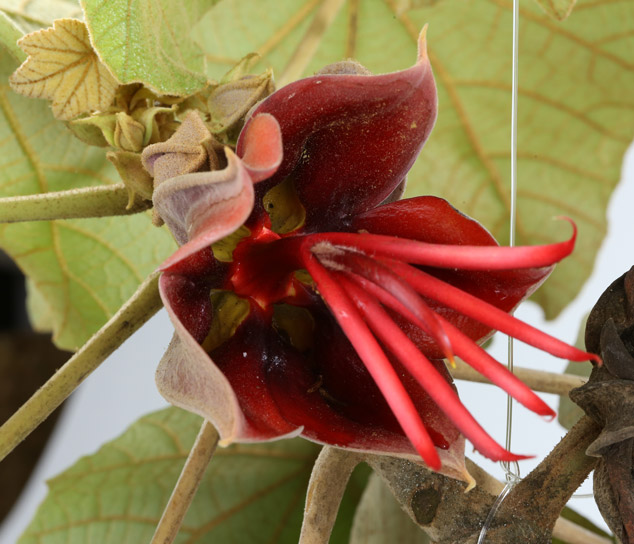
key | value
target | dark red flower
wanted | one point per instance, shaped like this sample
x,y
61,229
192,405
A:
x,y
328,313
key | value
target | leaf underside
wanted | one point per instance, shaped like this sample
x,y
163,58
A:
x,y
63,68
557,9
250,493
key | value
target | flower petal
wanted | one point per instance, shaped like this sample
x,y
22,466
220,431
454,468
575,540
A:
x,y
186,377
349,140
203,207
262,147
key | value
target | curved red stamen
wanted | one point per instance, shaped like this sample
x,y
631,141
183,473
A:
x,y
454,256
375,360
425,373
377,273
478,359
468,351
486,313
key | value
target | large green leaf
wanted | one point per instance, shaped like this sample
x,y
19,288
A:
x,y
557,9
148,41
36,14
80,271
576,102
250,493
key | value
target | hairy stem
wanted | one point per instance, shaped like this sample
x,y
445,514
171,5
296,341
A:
x,y
100,201
537,380
327,485
561,473
187,485
135,312
439,505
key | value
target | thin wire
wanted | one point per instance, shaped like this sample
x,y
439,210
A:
x,y
492,512
513,220
511,470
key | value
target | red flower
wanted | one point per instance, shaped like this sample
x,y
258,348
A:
x,y
329,312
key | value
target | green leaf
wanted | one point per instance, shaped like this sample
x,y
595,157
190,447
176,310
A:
x,y
557,9
576,103
380,519
36,14
9,36
149,42
117,495
79,271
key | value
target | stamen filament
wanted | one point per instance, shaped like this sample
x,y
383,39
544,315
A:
x,y
379,274
471,306
374,359
424,373
455,256
467,350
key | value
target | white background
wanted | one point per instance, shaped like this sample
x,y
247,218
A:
x,y
122,389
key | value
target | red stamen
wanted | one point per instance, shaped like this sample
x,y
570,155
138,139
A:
x,y
425,373
478,359
486,313
374,359
455,256
468,351
377,273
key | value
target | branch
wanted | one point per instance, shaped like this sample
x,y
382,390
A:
x,y
562,471
439,505
546,382
187,485
100,201
135,312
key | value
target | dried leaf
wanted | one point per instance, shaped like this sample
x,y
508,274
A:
x,y
68,293
569,413
608,398
64,68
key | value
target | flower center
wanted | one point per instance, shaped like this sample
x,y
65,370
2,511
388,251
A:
x,y
382,305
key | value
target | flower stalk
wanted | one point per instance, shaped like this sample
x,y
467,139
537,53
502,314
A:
x,y
185,489
327,485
